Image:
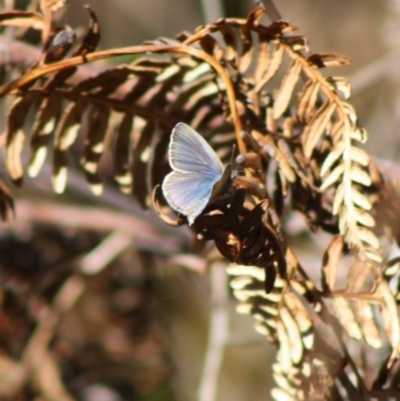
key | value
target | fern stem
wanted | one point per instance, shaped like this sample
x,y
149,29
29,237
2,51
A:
x,y
124,51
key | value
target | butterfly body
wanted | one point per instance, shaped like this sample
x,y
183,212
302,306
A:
x,y
195,170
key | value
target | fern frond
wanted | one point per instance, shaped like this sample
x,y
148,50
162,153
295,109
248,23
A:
x,y
288,323
234,80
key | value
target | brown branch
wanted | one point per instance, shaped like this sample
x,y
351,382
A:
x,y
100,219
114,204
109,249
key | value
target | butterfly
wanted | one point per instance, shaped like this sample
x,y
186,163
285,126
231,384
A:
x,y
197,173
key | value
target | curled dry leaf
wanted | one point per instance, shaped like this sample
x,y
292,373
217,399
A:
x,y
65,136
92,36
48,116
342,85
15,136
360,176
359,156
294,335
284,352
286,89
333,176
360,199
317,126
273,64
330,263
363,217
302,318
307,99
94,147
321,60
334,156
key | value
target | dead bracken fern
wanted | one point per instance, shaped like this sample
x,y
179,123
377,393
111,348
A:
x,y
234,81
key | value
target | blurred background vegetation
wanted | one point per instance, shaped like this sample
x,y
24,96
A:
x,y
139,324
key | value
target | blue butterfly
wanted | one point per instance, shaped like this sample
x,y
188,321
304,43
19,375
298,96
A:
x,y
195,170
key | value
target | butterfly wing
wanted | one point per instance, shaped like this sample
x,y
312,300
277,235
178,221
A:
x,y
196,168
189,152
187,193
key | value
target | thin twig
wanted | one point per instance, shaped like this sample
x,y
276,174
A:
x,y
99,219
218,334
35,356
110,248
49,380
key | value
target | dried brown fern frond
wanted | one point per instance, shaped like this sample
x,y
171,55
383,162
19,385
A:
x,y
318,112
235,81
307,362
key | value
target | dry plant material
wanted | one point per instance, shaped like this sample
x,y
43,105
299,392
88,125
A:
x,y
234,81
